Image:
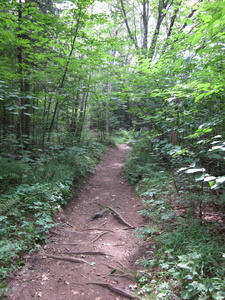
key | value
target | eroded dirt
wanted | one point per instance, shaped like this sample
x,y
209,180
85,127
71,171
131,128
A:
x,y
98,245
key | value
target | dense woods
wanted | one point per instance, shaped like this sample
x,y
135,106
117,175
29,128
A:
x,y
75,74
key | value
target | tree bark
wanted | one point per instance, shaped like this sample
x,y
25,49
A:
x,y
131,36
145,19
78,17
24,122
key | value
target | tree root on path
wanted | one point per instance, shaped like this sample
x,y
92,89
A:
x,y
100,229
70,259
88,253
98,237
119,217
114,289
113,211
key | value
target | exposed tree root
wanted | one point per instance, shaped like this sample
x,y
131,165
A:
x,y
119,217
70,259
98,237
114,289
88,253
100,229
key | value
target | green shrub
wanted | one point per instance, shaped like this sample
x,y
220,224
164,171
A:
x,y
123,136
41,188
185,259
11,173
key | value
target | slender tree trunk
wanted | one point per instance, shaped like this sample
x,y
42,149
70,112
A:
x,y
145,19
24,122
82,114
131,36
161,16
107,121
79,16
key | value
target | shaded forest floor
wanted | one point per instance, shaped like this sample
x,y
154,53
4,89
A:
x,y
95,236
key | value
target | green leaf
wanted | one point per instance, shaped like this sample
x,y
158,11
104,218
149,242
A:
x,y
197,37
209,178
192,171
200,177
219,181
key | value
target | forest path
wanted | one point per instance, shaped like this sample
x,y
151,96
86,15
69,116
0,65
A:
x,y
95,245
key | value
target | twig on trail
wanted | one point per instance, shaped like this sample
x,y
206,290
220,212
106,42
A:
x,y
71,244
103,224
88,253
118,216
100,235
70,259
100,229
110,267
53,232
114,289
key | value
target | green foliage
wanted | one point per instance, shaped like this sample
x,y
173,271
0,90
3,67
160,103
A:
x,y
28,206
124,136
193,260
185,258
62,69
11,173
140,163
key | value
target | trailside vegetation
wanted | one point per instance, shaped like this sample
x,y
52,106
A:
x,y
184,228
33,192
150,73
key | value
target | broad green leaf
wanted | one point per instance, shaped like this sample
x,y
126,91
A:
x,y
209,178
192,171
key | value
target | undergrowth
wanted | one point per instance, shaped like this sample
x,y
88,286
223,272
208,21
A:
x,y
122,136
32,192
185,257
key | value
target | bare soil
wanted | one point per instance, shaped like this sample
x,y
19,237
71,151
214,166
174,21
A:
x,y
89,243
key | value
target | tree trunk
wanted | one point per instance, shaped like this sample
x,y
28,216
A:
x,y
24,121
145,18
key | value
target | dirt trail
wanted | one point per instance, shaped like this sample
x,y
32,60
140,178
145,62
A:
x,y
95,243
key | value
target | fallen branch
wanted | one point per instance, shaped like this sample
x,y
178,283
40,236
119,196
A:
x,y
100,235
70,259
88,253
114,289
118,216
